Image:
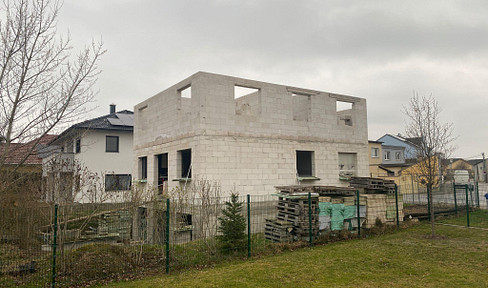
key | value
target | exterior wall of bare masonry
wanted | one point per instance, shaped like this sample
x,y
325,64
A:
x,y
253,165
250,142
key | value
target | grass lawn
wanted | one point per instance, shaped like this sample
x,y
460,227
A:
x,y
477,218
406,258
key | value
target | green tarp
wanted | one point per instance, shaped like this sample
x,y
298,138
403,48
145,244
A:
x,y
350,212
338,213
336,216
323,208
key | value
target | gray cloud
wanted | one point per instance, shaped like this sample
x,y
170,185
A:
x,y
381,50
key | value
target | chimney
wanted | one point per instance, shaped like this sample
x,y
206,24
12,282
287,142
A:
x,y
112,108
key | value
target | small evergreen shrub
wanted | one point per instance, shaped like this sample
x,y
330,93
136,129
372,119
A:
x,y
232,226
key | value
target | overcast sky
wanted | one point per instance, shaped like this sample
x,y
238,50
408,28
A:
x,y
378,50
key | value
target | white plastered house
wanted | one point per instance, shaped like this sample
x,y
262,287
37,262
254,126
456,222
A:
x,y
91,161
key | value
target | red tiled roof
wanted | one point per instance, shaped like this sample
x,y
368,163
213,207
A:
x,y
18,151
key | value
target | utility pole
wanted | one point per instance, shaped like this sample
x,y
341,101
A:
x,y
484,168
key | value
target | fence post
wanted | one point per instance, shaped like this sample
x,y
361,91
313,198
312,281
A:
x,y
467,203
55,233
310,218
359,215
418,192
396,204
477,195
248,226
455,198
413,190
167,235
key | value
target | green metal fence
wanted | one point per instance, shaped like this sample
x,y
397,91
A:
x,y
467,200
74,245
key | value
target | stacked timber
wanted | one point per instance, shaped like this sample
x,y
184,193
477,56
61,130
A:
x,y
373,185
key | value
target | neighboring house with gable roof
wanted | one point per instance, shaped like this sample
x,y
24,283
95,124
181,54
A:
x,y
91,161
386,161
411,144
25,156
22,169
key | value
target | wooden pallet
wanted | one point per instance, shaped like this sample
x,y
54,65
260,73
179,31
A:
x,y
278,231
373,185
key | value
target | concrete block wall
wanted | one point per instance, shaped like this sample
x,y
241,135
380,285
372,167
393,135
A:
x,y
253,165
252,148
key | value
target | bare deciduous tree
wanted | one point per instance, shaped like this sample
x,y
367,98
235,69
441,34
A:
x,y
434,141
42,85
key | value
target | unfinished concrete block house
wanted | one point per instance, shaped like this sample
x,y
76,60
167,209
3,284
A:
x,y
249,135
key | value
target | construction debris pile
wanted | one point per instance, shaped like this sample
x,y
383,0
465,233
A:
x,y
332,208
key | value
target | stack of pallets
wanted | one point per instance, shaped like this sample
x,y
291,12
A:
x,y
278,231
292,222
373,185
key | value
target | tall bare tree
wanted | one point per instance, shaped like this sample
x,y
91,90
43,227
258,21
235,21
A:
x,y
434,141
43,85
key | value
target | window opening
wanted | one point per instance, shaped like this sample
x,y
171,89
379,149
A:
x,y
78,146
398,155
374,152
343,106
142,168
185,219
185,163
185,92
387,155
117,182
344,112
241,91
304,163
162,160
112,144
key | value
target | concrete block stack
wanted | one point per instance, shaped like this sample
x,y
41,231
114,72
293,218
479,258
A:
x,y
380,195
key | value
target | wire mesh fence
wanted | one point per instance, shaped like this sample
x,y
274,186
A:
x,y
467,200
21,258
78,244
